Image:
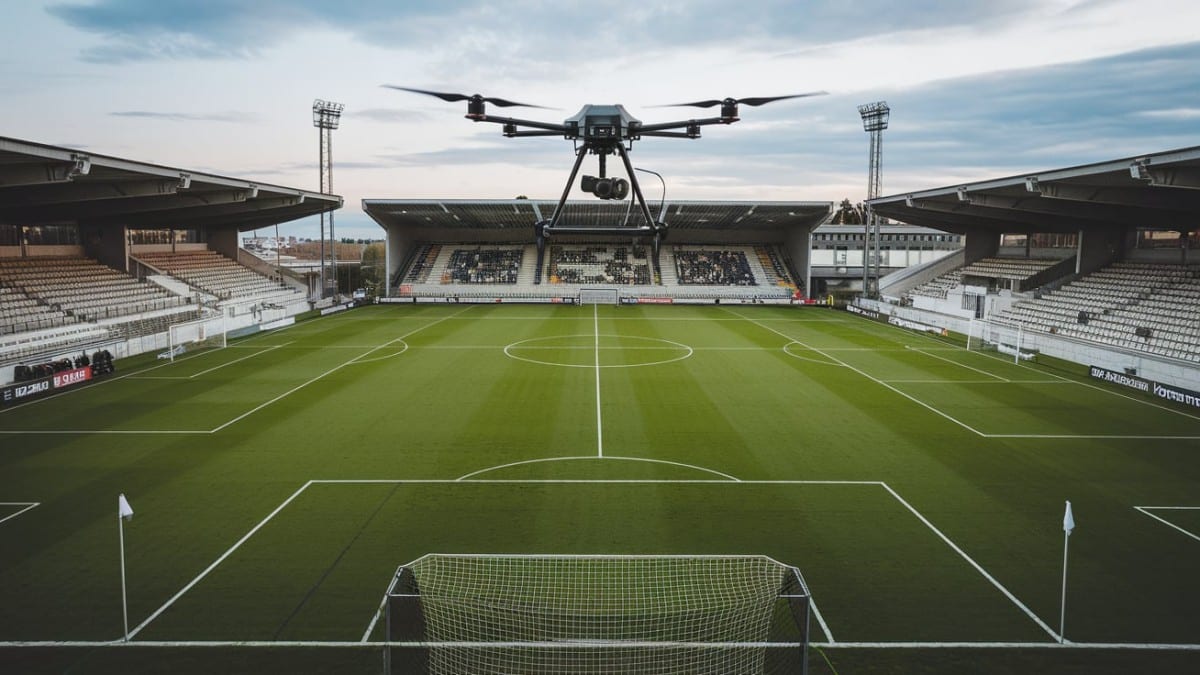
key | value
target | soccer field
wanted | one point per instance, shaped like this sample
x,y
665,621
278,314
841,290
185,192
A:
x,y
918,487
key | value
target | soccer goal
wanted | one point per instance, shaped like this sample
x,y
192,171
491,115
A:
x,y
596,614
194,336
598,296
998,337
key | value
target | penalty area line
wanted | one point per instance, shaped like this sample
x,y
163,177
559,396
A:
x,y
1146,511
27,505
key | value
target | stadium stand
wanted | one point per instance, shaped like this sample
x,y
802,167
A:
x,y
1148,307
82,288
737,272
483,265
1006,272
422,265
775,270
599,264
219,276
713,267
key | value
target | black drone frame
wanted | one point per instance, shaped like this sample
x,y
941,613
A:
x,y
601,130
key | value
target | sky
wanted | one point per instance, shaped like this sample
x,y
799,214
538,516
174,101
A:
x,y
977,90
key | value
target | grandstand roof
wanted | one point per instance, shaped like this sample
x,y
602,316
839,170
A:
x,y
524,213
42,184
1159,190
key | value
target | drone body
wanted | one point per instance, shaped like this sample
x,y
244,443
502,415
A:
x,y
601,130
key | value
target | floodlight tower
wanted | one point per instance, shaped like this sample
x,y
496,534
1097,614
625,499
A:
x,y
875,120
326,116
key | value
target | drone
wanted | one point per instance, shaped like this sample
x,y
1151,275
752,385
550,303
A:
x,y
602,130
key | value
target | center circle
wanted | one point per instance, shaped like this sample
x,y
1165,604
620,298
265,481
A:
x,y
588,350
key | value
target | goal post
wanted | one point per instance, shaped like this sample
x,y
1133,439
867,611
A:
x,y
598,296
596,614
1007,339
195,336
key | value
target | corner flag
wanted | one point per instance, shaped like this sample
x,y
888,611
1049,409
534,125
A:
x,y
1068,520
124,510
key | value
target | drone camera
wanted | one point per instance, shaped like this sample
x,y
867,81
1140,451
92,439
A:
x,y
605,188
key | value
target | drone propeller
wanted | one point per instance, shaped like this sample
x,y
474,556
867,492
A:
x,y
476,98
753,101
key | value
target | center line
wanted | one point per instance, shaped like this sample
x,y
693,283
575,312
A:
x,y
599,428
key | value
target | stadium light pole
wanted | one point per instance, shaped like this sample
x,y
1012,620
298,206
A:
x,y
326,117
875,120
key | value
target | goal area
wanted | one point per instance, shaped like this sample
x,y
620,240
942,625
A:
x,y
194,336
1006,339
455,613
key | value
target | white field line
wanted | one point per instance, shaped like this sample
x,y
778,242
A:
x,y
341,644
1081,383
1151,646
1146,510
218,561
159,377
332,370
960,365
629,318
1097,436
374,619
978,381
54,432
230,363
468,477
1060,378
302,488
979,568
109,380
821,620
585,481
530,348
599,421
869,377
27,505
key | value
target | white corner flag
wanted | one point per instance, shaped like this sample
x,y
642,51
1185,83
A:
x,y
1068,519
125,511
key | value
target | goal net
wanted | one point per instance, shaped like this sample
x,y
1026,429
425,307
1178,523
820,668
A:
x,y
1006,339
193,336
596,614
598,296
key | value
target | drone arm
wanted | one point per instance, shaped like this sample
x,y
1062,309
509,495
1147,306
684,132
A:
x,y
684,124
525,134
558,129
669,134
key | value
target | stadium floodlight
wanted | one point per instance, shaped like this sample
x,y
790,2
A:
x,y
875,120
875,115
327,116
596,614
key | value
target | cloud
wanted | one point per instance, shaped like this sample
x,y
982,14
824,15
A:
x,y
529,35
229,116
388,115
1170,114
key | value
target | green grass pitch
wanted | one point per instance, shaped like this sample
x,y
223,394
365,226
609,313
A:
x,y
919,487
